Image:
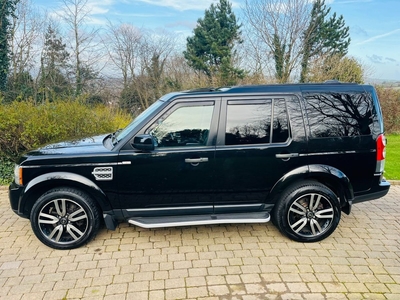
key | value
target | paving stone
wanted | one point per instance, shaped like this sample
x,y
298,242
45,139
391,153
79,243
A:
x,y
64,285
377,288
335,287
316,287
174,283
297,287
114,289
392,296
196,292
356,287
360,260
33,296
175,294
195,281
218,290
214,280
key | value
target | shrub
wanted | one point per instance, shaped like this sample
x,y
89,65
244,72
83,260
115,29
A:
x,y
345,69
6,171
390,103
25,126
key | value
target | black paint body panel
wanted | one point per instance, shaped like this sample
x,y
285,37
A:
x,y
213,178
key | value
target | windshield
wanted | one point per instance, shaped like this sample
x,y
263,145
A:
x,y
138,120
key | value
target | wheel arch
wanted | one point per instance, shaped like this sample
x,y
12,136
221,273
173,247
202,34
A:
x,y
332,177
43,183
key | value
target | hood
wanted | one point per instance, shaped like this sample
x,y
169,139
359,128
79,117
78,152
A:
x,y
84,146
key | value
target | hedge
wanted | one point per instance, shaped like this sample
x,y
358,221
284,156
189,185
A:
x,y
25,126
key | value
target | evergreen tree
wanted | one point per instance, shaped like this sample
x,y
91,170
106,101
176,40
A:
x,y
323,37
19,87
7,8
211,49
53,81
279,52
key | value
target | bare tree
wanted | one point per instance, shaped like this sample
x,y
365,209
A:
x,y
141,56
85,42
181,76
150,81
26,35
124,46
27,28
253,56
279,25
157,49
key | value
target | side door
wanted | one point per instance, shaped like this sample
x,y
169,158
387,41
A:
x,y
256,146
177,177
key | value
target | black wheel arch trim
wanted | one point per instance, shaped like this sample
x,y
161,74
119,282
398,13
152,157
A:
x,y
59,179
332,177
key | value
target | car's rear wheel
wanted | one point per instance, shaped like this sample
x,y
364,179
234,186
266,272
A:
x,y
65,218
307,212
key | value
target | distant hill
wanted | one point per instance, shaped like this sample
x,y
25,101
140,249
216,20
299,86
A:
x,y
388,83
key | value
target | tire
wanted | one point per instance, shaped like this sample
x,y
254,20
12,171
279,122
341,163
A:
x,y
307,212
65,218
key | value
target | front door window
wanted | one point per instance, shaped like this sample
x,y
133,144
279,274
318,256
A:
x,y
185,126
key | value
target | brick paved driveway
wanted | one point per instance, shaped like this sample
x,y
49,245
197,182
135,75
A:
x,y
360,260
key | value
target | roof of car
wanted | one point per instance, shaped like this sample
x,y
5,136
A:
x,y
271,88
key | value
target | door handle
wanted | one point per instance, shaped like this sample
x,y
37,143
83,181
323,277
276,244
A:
x,y
286,155
196,160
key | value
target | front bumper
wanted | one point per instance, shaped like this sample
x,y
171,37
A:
x,y
15,194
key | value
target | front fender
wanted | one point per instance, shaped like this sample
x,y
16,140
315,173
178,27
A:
x,y
37,186
328,175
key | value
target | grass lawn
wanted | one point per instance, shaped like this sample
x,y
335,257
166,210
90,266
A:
x,y
392,164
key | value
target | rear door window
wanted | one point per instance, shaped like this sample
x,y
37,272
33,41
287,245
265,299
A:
x,y
256,122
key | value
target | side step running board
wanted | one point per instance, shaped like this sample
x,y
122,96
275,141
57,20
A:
x,y
189,220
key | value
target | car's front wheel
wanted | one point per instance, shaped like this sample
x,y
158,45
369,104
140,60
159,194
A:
x,y
65,218
307,212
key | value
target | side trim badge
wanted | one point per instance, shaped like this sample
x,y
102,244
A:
x,y
103,173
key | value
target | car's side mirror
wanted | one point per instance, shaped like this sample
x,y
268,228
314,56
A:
x,y
144,142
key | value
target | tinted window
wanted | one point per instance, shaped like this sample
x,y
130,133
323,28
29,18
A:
x,y
251,122
128,129
184,126
280,124
340,114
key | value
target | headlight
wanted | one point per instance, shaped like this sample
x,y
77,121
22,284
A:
x,y
18,175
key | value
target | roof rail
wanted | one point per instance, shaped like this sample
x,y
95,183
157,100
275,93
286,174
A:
x,y
332,81
207,89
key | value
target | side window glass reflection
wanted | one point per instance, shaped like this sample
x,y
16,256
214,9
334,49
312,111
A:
x,y
340,114
185,126
257,123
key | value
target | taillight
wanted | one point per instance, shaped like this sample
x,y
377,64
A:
x,y
380,153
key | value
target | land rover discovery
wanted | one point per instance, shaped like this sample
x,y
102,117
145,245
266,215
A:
x,y
298,154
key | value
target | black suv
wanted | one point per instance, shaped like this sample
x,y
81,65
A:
x,y
298,154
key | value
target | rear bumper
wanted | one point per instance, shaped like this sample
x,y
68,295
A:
x,y
381,190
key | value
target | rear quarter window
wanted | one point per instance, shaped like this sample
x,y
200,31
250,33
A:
x,y
341,114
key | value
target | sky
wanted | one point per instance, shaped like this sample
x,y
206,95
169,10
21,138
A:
x,y
374,24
